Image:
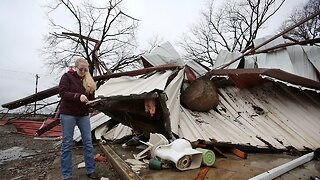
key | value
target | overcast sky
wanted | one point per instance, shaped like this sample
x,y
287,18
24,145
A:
x,y
24,23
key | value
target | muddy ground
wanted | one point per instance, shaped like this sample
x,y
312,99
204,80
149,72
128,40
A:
x,y
23,157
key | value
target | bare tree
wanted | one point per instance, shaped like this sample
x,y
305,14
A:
x,y
153,42
103,34
233,27
308,30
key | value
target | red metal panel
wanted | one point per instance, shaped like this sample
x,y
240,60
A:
x,y
29,127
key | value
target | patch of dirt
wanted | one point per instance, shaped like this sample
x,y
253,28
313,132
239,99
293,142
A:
x,y
32,161
23,157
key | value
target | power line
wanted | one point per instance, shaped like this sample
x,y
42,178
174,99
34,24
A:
x,y
2,69
25,72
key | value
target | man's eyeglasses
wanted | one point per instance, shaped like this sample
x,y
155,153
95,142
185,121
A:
x,y
84,69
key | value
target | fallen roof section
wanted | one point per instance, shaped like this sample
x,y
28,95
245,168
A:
x,y
256,112
264,114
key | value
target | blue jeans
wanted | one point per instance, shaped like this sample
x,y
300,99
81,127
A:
x,y
68,122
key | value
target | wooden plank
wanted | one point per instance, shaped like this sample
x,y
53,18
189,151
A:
x,y
238,153
202,173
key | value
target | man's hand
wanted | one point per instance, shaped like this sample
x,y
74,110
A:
x,y
83,98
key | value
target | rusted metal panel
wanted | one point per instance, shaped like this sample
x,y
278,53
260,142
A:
x,y
246,80
29,127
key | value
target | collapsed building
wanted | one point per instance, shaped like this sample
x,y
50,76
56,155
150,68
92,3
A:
x,y
272,103
266,101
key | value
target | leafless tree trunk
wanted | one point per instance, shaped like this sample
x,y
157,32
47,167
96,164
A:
x,y
104,32
233,27
308,30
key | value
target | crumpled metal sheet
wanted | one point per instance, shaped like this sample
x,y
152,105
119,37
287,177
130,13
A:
x,y
125,86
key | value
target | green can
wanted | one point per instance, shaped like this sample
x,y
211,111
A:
x,y
208,156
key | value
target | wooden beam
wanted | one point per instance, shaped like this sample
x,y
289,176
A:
x,y
135,72
33,98
202,173
238,153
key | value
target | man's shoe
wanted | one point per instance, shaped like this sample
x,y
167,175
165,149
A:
x,y
93,175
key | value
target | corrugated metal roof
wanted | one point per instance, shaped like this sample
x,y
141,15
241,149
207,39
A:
x,y
275,60
271,114
118,132
173,102
163,54
292,59
125,86
301,62
225,57
313,54
197,69
30,127
273,43
258,111
286,117
296,59
274,113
